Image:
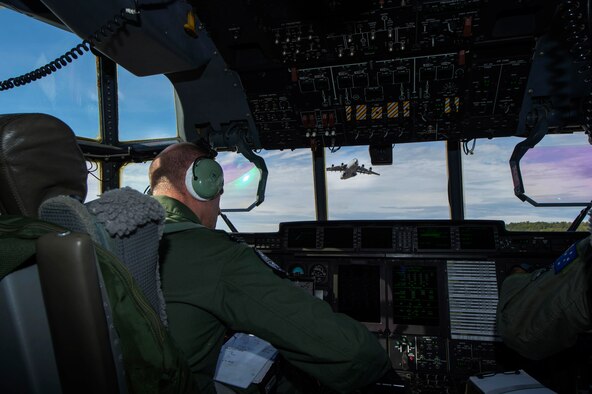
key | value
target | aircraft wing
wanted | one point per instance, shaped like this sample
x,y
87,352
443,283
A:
x,y
363,170
337,168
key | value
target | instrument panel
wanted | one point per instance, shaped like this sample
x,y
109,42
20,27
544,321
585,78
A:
x,y
378,72
427,289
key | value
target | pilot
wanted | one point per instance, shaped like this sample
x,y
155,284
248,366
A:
x,y
214,285
541,312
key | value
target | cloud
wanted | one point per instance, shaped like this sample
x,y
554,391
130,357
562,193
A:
x,y
93,186
396,193
143,95
289,195
135,175
92,95
556,174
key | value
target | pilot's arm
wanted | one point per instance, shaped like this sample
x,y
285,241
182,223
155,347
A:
x,y
542,312
337,350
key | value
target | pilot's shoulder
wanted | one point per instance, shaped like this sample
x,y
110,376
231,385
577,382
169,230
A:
x,y
223,236
229,240
230,237
195,230
237,244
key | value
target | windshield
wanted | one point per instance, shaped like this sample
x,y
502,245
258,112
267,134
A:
x,y
70,94
241,178
146,107
289,195
558,170
93,184
413,187
489,191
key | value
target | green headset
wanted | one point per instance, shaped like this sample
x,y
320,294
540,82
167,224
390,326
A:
x,y
204,179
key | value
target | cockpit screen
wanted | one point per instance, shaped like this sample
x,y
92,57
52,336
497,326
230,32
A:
x,y
472,238
415,295
302,237
429,238
338,237
377,237
359,292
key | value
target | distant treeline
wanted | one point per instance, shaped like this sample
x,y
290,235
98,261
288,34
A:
x,y
544,226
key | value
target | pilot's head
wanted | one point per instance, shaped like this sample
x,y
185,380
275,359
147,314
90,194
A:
x,y
188,172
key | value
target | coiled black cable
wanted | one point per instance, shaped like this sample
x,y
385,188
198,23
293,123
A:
x,y
103,32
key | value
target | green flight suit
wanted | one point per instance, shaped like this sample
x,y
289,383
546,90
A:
x,y
542,312
212,284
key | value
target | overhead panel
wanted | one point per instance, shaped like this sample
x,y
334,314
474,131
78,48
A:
x,y
388,71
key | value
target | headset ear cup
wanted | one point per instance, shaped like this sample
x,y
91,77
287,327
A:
x,y
204,179
189,183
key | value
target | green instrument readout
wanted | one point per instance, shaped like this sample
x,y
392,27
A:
x,y
430,238
415,295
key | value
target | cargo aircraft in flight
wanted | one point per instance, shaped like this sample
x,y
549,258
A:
x,y
351,169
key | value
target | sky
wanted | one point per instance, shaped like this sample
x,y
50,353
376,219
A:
x,y
414,187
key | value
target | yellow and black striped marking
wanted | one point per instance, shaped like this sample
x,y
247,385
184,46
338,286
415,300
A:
x,y
406,108
348,113
361,112
447,108
457,103
392,110
377,112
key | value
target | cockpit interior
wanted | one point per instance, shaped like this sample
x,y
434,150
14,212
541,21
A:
x,y
252,76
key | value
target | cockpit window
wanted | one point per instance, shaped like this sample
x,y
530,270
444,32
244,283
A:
x,y
241,178
413,187
559,170
69,94
289,194
93,184
135,175
146,107
489,191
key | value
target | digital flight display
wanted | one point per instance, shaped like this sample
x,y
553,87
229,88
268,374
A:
x,y
429,238
377,237
359,292
472,238
302,237
415,295
338,237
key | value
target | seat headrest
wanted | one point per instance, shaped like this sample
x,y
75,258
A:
x,y
127,223
39,159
